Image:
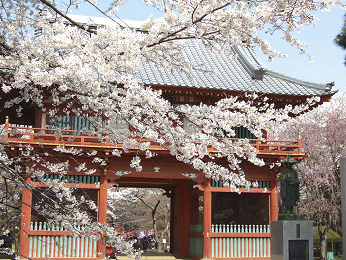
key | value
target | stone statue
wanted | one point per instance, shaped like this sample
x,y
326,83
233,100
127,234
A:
x,y
289,184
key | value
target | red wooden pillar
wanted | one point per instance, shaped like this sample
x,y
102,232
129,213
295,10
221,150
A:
x,y
102,214
207,219
25,222
184,218
274,201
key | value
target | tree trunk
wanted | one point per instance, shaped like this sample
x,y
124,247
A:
x,y
168,239
159,246
323,233
157,239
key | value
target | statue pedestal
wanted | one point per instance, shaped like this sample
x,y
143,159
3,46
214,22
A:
x,y
292,240
291,216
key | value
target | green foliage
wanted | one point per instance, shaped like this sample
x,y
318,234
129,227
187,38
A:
x,y
340,39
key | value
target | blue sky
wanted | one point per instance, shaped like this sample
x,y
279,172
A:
x,y
328,62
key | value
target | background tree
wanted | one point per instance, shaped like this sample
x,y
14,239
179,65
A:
x,y
323,138
141,208
124,209
159,206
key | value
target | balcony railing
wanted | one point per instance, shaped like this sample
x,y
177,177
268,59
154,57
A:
x,y
47,242
45,136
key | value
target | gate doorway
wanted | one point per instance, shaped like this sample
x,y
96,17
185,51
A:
x,y
183,197
142,215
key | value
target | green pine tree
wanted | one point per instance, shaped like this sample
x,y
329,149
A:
x,y
340,39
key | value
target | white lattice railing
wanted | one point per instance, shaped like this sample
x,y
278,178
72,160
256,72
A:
x,y
55,242
240,241
240,228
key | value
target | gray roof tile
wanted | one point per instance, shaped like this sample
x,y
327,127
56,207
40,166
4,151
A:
x,y
221,71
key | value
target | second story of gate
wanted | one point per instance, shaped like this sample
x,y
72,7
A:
x,y
220,76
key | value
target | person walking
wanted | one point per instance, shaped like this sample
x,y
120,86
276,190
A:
x,y
164,244
145,244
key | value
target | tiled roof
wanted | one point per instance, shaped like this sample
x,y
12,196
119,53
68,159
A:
x,y
220,71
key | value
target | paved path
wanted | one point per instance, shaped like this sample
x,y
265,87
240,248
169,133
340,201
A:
x,y
153,256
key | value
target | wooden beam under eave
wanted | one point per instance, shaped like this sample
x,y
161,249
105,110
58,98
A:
x,y
218,94
160,175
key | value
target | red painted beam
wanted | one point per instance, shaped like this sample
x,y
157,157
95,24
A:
x,y
239,235
195,234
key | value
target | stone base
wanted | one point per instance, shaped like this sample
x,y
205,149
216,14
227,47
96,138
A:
x,y
291,240
288,216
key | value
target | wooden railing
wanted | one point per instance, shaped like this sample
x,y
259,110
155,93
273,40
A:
x,y
233,241
28,134
80,179
240,241
221,228
47,242
22,134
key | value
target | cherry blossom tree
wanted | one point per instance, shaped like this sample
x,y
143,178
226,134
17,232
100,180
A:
x,y
324,140
10,206
124,209
91,71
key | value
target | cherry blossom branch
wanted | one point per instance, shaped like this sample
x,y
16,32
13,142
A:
x,y
56,10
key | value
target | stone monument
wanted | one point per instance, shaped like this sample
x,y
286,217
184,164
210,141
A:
x,y
291,235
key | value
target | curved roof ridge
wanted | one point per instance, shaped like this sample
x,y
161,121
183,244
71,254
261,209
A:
x,y
319,86
257,69
250,61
